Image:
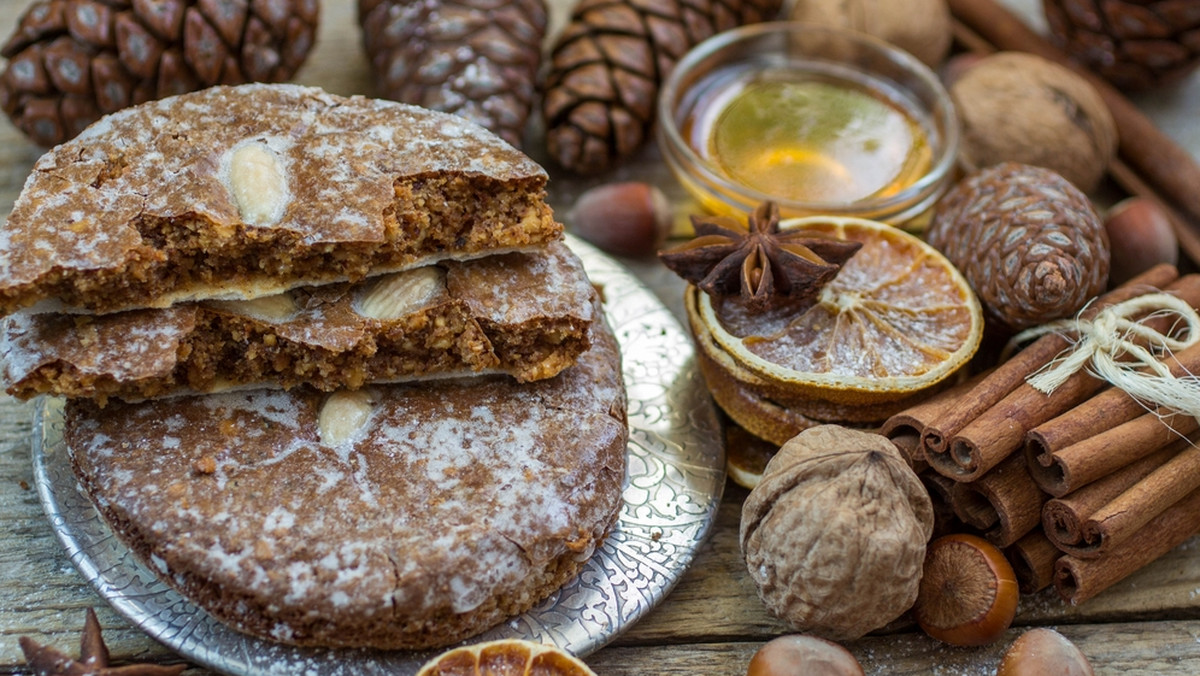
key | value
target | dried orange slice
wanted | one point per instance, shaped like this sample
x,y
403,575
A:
x,y
506,657
746,456
897,319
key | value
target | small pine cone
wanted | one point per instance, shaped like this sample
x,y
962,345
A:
x,y
475,58
1028,241
601,89
71,61
1134,44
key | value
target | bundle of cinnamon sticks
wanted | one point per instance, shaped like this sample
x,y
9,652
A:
x,y
1081,486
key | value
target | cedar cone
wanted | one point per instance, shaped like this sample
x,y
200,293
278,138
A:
x,y
1134,44
1028,241
476,58
71,61
606,67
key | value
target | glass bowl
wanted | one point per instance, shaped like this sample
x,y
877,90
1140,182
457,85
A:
x,y
861,100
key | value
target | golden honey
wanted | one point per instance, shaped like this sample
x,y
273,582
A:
x,y
809,137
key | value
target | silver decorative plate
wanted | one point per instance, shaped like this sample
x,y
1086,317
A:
x,y
674,481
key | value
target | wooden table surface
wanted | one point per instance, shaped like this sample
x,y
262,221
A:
x,y
713,621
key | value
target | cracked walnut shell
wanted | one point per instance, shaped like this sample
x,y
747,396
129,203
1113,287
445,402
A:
x,y
834,535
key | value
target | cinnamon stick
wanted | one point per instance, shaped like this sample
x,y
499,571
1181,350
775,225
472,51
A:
x,y
1009,494
1078,580
1147,150
1103,411
1011,373
906,427
945,521
998,432
1062,518
1032,559
1001,430
1079,464
1122,518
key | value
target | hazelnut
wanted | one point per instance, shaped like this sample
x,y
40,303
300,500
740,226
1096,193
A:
x,y
627,219
1044,651
957,65
803,655
1023,108
968,594
920,27
1140,236
834,533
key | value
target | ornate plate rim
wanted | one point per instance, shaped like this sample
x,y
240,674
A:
x,y
674,482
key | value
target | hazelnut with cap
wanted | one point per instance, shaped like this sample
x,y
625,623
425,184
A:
x,y
629,218
968,593
803,655
1140,236
1043,651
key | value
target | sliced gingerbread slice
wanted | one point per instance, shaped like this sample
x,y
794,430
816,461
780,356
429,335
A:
x,y
524,314
396,516
240,192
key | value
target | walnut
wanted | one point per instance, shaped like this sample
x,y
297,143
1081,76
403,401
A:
x,y
920,27
834,535
1024,108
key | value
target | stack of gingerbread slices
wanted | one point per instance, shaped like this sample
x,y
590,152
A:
x,y
330,369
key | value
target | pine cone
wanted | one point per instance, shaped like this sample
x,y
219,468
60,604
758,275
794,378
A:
x,y
607,66
1028,241
476,58
71,61
1134,44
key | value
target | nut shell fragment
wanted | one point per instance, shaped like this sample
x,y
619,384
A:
x,y
834,535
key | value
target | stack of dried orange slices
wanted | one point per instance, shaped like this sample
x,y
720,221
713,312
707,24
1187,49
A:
x,y
784,343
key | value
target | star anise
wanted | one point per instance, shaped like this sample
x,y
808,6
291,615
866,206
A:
x,y
758,261
93,657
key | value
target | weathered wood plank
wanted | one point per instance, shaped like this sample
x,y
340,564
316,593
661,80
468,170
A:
x,y
1141,649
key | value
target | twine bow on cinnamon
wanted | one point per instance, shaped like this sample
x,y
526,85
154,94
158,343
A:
x,y
1122,351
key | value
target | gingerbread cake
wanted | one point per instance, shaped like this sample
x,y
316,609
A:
x,y
240,192
395,516
523,314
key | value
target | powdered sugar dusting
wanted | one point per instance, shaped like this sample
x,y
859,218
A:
x,y
510,289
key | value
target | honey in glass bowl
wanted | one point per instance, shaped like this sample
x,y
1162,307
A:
x,y
821,121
